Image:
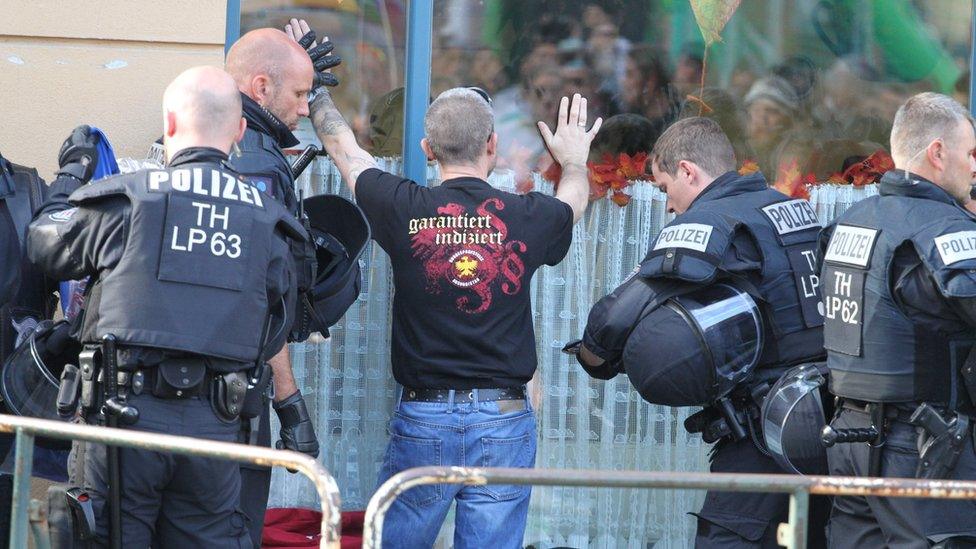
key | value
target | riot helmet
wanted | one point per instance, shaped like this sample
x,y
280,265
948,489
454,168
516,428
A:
x,y
340,232
696,347
30,378
792,418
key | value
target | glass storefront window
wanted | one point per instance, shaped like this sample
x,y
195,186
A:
x,y
370,38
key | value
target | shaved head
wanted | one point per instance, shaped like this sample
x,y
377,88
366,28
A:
x,y
202,107
267,52
274,71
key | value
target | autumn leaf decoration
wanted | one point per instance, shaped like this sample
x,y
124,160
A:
x,y
610,176
749,167
792,183
865,172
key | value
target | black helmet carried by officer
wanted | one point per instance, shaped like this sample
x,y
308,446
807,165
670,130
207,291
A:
x,y
30,378
340,233
792,418
696,347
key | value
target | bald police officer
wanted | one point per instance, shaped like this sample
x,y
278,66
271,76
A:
x,y
274,76
193,276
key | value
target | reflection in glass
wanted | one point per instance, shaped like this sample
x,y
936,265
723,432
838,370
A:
x,y
370,38
805,89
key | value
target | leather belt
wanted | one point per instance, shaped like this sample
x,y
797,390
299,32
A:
x,y
462,395
892,411
145,380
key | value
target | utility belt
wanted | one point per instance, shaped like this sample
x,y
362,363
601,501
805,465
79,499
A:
x,y
102,390
233,394
942,434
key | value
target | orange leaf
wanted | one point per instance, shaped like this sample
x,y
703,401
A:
x,y
870,169
620,198
553,173
597,190
619,183
749,167
788,174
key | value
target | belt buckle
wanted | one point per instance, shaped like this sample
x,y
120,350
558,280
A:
x,y
509,406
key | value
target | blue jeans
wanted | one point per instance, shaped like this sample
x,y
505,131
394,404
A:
x,y
472,434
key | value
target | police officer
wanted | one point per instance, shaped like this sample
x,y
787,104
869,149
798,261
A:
x,y
275,76
193,277
33,301
899,295
736,247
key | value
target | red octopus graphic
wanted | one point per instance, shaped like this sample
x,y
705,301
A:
x,y
471,266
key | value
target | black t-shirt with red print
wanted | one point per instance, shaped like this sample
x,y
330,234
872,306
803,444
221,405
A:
x,y
463,255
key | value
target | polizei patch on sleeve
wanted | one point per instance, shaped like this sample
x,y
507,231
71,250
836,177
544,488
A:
x,y
792,216
955,247
851,245
693,236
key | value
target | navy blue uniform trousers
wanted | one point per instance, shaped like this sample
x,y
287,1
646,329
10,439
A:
x,y
170,500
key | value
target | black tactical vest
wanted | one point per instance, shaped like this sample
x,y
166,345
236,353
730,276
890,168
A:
x,y
875,352
694,247
262,162
194,273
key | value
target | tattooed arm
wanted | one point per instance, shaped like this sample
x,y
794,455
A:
x,y
338,140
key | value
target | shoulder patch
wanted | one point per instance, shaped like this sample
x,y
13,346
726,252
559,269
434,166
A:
x,y
693,236
955,247
851,245
63,215
791,216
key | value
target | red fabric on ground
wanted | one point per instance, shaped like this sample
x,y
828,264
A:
x,y
299,529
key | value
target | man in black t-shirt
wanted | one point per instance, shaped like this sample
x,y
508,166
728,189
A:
x,y
463,254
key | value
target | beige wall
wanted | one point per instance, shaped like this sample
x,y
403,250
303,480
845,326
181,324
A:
x,y
99,62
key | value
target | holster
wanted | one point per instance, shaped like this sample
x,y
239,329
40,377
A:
x,y
940,442
88,363
69,391
255,399
736,418
710,423
227,395
71,517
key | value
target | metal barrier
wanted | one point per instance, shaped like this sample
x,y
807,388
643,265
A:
x,y
792,534
27,428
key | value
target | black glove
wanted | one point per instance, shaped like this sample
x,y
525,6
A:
x,y
321,60
296,432
573,347
79,154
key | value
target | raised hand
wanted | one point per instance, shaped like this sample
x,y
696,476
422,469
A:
x,y
570,144
299,31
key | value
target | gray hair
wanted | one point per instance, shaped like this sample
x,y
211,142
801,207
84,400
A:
x,y
921,120
697,139
458,125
